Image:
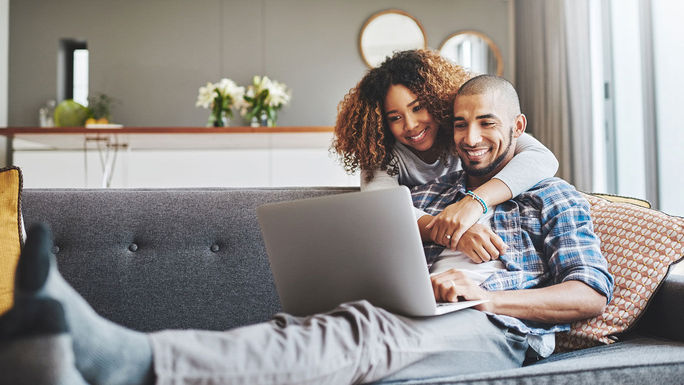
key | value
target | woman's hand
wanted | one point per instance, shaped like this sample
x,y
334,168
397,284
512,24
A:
x,y
447,227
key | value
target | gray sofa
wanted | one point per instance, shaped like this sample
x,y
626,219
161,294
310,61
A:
x,y
194,258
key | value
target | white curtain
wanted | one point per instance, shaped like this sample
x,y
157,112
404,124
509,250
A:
x,y
553,78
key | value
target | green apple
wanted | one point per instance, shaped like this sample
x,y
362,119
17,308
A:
x,y
69,113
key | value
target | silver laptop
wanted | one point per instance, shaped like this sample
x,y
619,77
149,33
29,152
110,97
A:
x,y
345,247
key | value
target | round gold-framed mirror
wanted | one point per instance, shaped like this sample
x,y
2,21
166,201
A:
x,y
474,51
388,31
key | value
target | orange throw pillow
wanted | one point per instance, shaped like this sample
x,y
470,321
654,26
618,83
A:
x,y
640,244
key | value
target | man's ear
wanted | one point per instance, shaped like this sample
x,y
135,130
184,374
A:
x,y
520,125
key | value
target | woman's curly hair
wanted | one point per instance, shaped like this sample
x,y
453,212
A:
x,y
362,137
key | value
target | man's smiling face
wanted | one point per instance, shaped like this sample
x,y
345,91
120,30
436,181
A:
x,y
484,128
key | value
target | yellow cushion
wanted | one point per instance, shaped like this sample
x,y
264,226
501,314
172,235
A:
x,y
639,244
621,199
10,233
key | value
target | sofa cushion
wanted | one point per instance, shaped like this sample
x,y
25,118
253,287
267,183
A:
x,y
640,244
10,232
665,314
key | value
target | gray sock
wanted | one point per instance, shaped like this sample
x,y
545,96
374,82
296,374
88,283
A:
x,y
36,347
105,353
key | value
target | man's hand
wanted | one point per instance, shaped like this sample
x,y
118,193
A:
x,y
481,244
453,286
447,227
563,302
452,228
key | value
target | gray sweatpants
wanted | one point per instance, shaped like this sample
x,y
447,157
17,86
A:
x,y
355,343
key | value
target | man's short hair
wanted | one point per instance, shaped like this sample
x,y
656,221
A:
x,y
483,84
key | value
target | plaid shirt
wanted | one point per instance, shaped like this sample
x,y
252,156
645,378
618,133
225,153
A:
x,y
550,237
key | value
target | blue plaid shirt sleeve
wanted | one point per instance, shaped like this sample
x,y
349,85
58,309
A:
x,y
572,247
432,198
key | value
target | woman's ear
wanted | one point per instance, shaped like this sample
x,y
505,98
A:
x,y
520,125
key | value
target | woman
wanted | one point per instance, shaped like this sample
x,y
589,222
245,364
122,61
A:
x,y
395,127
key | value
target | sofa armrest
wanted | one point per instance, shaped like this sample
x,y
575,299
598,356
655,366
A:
x,y
665,314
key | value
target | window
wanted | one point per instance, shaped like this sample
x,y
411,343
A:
x,y
642,52
80,86
73,63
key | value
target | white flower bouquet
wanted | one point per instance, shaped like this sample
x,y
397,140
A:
x,y
221,97
264,97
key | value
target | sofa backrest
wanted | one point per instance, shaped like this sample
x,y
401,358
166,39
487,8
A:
x,y
154,259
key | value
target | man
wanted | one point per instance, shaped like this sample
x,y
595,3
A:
x,y
558,249
551,274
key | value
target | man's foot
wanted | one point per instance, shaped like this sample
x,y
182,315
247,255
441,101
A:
x,y
35,345
105,353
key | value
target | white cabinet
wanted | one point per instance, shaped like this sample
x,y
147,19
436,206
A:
x,y
233,160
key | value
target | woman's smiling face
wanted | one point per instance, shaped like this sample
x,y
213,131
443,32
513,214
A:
x,y
410,122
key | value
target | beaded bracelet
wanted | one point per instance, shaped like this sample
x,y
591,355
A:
x,y
479,200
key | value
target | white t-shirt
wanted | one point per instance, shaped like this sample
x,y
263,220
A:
x,y
477,272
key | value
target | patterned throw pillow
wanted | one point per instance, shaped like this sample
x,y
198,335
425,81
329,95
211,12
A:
x,y
10,232
640,244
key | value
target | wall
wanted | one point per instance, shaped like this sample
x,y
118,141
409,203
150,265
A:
x,y
4,52
153,55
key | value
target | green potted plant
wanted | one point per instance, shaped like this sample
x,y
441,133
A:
x,y
221,97
99,108
264,97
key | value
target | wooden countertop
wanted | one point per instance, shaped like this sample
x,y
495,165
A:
x,y
163,130
167,138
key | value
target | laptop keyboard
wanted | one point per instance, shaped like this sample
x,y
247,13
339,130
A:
x,y
442,304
